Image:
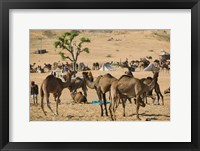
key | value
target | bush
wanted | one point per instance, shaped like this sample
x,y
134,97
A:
x,y
109,56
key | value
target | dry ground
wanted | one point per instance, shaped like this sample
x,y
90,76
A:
x,y
132,45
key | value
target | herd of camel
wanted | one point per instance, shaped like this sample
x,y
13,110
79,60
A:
x,y
120,90
142,63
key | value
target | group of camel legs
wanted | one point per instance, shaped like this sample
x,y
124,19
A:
x,y
126,87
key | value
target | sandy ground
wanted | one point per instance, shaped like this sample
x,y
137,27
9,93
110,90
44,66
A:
x,y
132,45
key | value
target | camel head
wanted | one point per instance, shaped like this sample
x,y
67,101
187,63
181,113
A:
x,y
72,72
129,73
85,74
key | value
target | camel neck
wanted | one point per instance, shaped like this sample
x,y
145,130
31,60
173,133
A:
x,y
152,84
65,84
89,83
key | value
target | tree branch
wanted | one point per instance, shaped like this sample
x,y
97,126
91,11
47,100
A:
x,y
69,58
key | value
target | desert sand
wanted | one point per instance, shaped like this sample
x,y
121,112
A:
x,y
131,44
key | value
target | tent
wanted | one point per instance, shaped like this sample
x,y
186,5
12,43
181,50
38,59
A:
x,y
42,51
164,55
151,67
106,67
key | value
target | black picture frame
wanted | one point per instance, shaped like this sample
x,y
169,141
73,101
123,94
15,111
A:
x,y
6,5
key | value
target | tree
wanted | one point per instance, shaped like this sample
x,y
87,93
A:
x,y
67,42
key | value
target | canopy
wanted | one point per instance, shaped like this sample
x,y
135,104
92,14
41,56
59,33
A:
x,y
106,67
151,67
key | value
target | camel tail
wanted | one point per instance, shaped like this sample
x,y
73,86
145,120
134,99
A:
x,y
42,98
41,92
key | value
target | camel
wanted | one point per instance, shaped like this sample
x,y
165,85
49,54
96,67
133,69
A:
x,y
53,85
156,88
167,91
147,81
31,66
78,97
32,70
39,69
129,87
78,83
95,66
143,63
47,67
102,86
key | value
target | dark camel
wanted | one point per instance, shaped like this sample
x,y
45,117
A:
x,y
53,85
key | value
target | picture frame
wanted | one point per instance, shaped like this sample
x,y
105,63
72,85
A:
x,y
6,5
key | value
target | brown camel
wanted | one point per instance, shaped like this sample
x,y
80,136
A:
x,y
53,85
32,70
147,81
78,97
129,87
102,85
47,67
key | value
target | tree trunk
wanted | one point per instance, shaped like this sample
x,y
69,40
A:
x,y
74,67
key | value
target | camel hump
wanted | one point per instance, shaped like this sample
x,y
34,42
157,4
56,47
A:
x,y
50,77
125,76
79,78
109,75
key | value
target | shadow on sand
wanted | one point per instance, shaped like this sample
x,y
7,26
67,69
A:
x,y
151,116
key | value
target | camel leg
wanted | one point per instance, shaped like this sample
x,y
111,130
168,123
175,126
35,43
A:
x,y
100,101
162,99
129,99
111,108
158,98
114,108
159,93
104,99
57,102
116,104
145,98
48,103
42,105
137,107
55,95
123,104
84,88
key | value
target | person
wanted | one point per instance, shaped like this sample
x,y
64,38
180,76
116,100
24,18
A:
x,y
34,92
